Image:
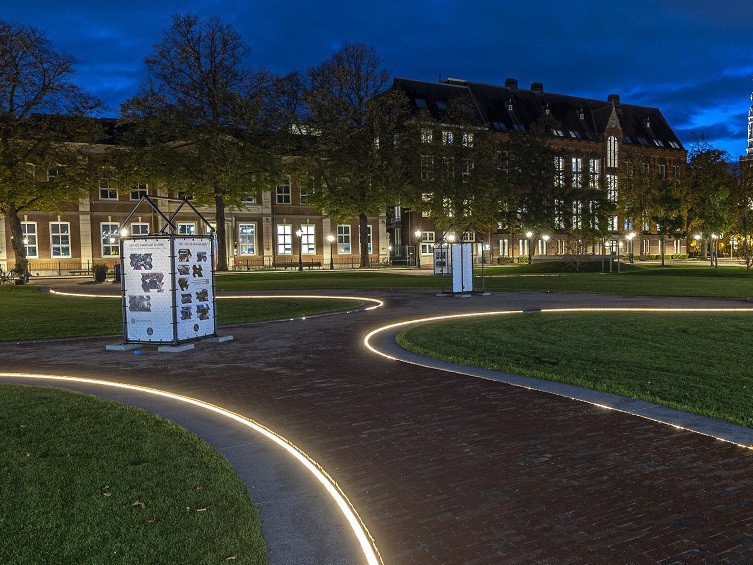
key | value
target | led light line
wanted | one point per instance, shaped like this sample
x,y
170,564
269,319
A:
x,y
376,303
368,546
370,347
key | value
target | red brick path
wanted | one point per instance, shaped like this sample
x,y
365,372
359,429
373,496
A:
x,y
450,469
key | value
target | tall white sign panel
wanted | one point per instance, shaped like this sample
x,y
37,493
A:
x,y
168,288
462,271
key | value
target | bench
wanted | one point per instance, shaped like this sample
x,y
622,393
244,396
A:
x,y
79,272
294,264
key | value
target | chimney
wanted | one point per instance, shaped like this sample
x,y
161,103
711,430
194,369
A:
x,y
537,87
511,83
614,99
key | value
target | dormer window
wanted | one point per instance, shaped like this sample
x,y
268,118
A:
x,y
499,126
420,102
509,105
441,105
581,115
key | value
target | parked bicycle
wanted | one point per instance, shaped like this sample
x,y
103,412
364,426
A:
x,y
6,276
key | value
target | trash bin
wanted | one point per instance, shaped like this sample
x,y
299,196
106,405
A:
x,y
117,273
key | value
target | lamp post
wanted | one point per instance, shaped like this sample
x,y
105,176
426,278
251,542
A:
x,y
630,237
331,238
299,235
714,255
545,237
418,248
529,235
697,238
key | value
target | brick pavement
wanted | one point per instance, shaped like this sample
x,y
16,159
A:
x,y
445,468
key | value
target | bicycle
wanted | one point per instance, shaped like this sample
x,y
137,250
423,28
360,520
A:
x,y
6,276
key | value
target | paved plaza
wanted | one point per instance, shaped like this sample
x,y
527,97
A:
x,y
451,468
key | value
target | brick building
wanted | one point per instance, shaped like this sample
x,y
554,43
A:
x,y
596,140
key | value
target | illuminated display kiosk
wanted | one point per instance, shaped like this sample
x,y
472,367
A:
x,y
456,259
167,284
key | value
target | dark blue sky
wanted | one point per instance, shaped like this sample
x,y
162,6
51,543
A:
x,y
693,59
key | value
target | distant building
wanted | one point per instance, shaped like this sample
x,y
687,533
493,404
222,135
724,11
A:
x,y
594,136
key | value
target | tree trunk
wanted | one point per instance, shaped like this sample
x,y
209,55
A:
x,y
219,203
363,231
17,239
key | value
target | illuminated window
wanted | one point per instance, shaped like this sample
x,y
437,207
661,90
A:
x,y
343,239
577,209
612,151
187,228
577,167
29,230
467,140
593,173
427,135
110,239
559,175
447,137
427,242
427,167
308,244
247,239
612,188
284,239
559,214
368,238
60,239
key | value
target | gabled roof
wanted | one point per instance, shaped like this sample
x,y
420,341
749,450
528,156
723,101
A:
x,y
509,108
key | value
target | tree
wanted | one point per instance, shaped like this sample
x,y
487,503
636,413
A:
x,y
353,165
741,205
532,176
459,170
666,213
709,183
43,124
200,118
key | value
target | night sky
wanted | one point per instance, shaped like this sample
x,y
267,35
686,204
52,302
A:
x,y
693,59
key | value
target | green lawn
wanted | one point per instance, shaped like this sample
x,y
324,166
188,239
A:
x,y
649,280
86,480
28,314
695,362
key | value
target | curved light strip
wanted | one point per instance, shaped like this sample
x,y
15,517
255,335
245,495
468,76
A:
x,y
370,551
367,344
377,303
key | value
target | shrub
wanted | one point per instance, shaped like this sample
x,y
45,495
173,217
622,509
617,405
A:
x,y
100,272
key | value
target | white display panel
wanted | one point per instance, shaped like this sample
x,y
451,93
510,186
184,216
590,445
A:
x,y
148,297
168,289
462,272
194,293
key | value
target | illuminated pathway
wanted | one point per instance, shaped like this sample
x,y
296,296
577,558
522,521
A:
x,y
447,468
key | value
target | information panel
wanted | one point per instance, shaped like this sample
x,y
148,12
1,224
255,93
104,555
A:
x,y
462,272
168,290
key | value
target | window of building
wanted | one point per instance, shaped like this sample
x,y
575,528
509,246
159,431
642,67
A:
x,y
559,214
503,161
106,192
249,198
662,171
139,229
593,211
628,223
577,165
420,102
110,239
593,173
523,247
308,243
543,246
504,247
646,247
658,143
467,169
441,105
343,239
305,194
60,239
139,191
427,135
447,137
29,231
469,237
247,239
577,212
427,242
612,151
187,228
467,140
559,174
283,192
561,247
612,188
427,167
53,173
499,126
284,239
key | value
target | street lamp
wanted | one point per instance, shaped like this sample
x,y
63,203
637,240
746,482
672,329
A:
x,y
451,237
418,248
529,235
630,237
545,237
714,253
299,235
331,238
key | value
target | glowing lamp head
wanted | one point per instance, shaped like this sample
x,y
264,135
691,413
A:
x,y
298,233
545,237
529,234
418,234
123,232
451,238
330,238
